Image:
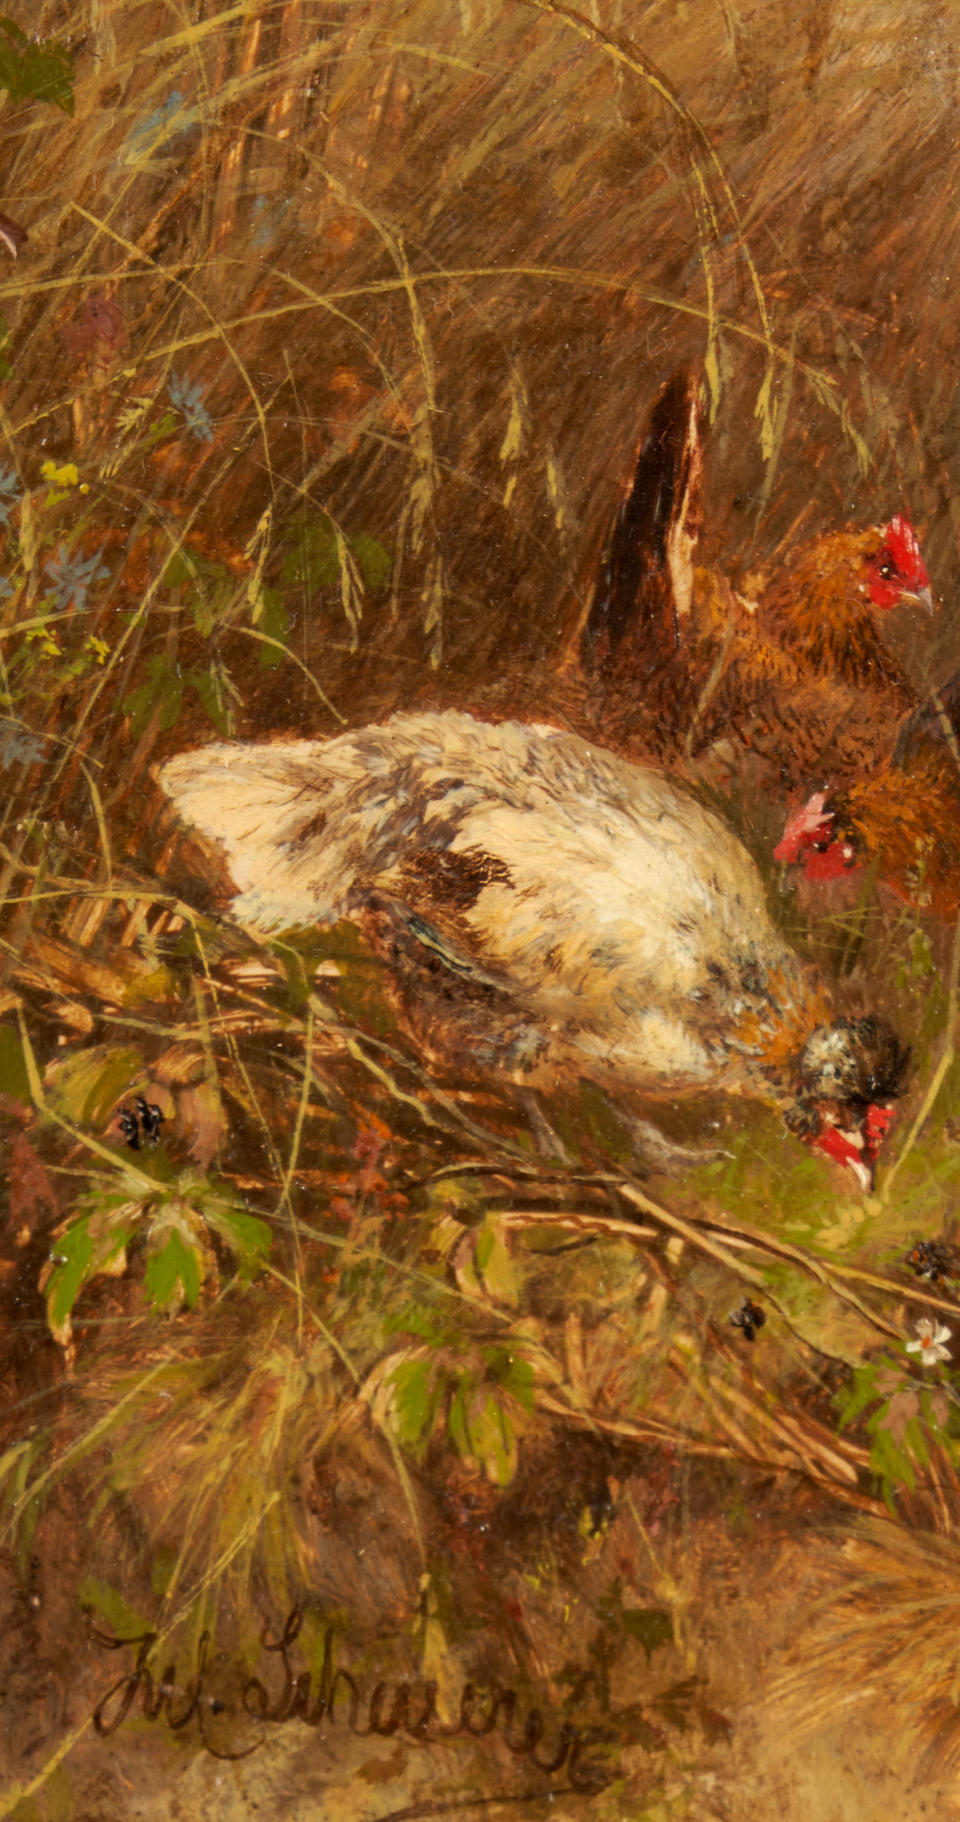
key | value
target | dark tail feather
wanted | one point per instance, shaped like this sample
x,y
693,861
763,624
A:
x,y
641,594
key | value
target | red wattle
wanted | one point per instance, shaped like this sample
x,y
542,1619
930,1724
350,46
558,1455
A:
x,y
838,1146
827,863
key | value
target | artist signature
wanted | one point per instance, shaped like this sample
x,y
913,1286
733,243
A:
x,y
402,1706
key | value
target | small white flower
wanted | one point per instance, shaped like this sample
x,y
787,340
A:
x,y
929,1346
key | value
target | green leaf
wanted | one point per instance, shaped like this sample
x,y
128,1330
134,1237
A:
x,y
274,621
59,1797
376,564
413,1321
85,1088
180,570
165,426
518,1381
486,1241
15,1465
312,561
74,1253
174,1273
40,70
495,1264
862,1389
208,685
81,1253
26,1811
491,1439
14,1079
414,1399
110,1606
916,1441
161,1574
160,693
207,584
247,1237
457,1425
651,1626
891,1464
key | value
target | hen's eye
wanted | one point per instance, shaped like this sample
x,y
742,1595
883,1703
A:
x,y
886,571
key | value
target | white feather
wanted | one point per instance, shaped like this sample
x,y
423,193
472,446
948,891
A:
x,y
623,895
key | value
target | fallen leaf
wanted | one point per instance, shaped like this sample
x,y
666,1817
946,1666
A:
x,y
202,1121
31,1191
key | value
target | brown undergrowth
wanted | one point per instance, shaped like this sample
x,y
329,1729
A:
x,y
324,364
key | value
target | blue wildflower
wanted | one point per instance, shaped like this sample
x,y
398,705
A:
x,y
152,131
188,398
72,576
9,493
268,214
18,748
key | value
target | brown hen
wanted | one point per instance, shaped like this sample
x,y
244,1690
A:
x,y
789,688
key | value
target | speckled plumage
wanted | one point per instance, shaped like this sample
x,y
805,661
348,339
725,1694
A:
x,y
558,908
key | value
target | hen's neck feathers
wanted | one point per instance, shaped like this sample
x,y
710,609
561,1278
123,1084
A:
x,y
773,1036
819,607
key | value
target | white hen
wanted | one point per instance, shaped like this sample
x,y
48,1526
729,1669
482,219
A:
x,y
548,907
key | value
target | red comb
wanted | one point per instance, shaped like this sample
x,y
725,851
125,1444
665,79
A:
x,y
878,1119
802,827
901,541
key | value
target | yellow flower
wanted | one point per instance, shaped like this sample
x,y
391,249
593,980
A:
x,y
98,648
67,476
46,639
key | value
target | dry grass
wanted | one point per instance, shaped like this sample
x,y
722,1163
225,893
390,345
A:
x,y
347,319
883,1631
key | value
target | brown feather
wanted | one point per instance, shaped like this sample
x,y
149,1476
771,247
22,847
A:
x,y
789,688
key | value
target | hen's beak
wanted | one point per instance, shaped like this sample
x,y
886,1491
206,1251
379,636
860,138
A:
x,y
921,597
863,1172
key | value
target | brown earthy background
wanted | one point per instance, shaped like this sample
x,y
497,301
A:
x,y
323,367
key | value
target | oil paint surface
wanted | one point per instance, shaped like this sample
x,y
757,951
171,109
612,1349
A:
x,y
479,910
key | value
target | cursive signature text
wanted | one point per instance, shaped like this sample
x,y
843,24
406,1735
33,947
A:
x,y
334,1698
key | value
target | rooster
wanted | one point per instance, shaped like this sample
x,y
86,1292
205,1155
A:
x,y
547,911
